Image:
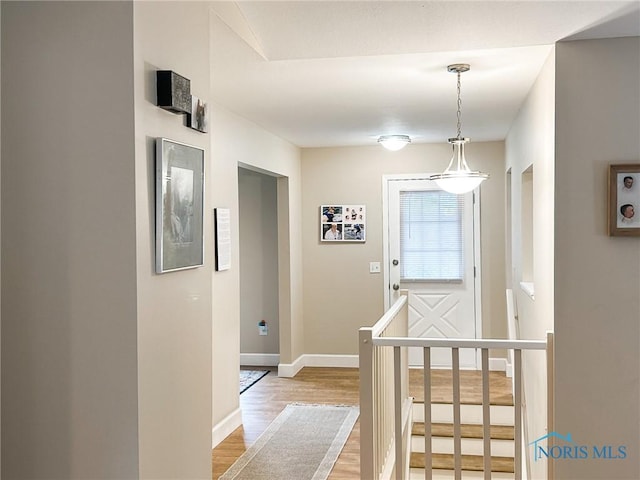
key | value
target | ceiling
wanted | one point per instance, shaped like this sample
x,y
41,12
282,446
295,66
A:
x,y
323,73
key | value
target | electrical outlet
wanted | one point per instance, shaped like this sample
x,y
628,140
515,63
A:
x,y
374,267
262,330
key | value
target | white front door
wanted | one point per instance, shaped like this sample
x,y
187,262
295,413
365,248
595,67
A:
x,y
432,254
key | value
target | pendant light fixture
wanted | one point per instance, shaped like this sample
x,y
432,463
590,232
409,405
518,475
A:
x,y
394,142
458,177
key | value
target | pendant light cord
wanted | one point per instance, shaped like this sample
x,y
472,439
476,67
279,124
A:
x,y
458,177
459,108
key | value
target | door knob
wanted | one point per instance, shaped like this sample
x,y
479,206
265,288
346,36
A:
x,y
396,286
395,262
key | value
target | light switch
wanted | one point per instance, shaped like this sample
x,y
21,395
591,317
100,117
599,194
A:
x,y
374,267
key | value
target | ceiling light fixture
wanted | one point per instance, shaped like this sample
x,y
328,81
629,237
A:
x,y
394,142
461,179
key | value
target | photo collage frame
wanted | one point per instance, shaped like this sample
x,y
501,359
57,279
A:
x,y
343,223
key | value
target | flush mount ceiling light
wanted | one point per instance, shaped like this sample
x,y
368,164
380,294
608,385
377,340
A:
x,y
394,142
458,177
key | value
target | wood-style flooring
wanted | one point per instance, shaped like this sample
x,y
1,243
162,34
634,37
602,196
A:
x,y
262,403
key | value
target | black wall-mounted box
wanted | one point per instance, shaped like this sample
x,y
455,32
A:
x,y
174,91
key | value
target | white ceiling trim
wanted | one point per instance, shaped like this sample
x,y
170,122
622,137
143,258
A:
x,y
232,16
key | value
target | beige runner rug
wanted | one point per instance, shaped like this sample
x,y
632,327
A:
x,y
302,443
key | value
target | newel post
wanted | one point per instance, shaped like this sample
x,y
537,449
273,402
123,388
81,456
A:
x,y
367,438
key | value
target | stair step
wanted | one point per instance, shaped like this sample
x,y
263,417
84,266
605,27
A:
x,y
470,386
469,414
445,461
498,432
418,474
468,446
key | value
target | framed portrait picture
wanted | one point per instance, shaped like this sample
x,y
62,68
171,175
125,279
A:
x,y
624,200
343,223
179,206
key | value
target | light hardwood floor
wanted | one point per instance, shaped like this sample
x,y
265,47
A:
x,y
262,403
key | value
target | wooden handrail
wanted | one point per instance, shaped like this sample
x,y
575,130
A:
x,y
381,325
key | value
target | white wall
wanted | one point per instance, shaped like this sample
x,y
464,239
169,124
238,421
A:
x,y
258,219
597,277
234,142
95,344
241,142
340,295
530,144
69,340
174,309
197,315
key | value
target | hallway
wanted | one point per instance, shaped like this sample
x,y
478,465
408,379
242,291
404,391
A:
x,y
262,403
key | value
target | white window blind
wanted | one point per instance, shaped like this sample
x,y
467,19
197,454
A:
x,y
431,243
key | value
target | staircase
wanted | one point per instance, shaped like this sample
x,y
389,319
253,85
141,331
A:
x,y
388,388
442,431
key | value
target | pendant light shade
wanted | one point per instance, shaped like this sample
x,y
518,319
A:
x,y
458,177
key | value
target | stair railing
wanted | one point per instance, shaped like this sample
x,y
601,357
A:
x,y
385,404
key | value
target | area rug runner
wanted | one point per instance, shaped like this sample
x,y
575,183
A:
x,y
302,443
250,377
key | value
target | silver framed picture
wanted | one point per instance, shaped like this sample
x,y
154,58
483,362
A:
x,y
179,206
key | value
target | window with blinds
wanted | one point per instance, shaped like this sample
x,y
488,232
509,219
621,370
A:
x,y
431,243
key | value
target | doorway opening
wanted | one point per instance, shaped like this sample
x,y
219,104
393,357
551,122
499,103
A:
x,y
259,280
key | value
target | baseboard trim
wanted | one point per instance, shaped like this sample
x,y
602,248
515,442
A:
x,y
260,359
498,364
289,370
351,361
317,360
338,361
224,428
509,370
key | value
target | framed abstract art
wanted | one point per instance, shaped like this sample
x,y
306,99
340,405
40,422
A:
x,y
179,206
